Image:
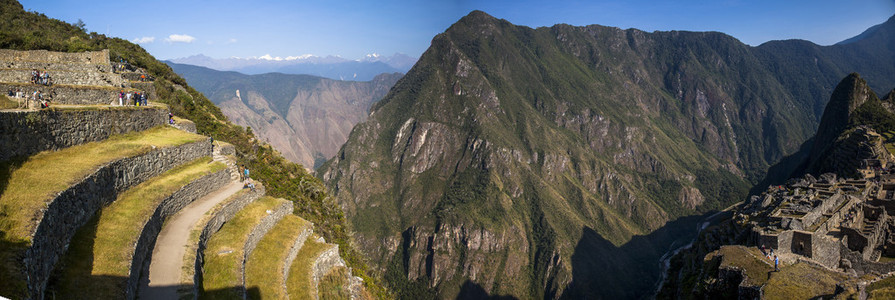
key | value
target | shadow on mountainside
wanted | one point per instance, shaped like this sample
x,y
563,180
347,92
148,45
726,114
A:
x,y
600,270
473,291
793,165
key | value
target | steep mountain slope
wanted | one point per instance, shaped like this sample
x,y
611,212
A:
x,y
306,118
529,162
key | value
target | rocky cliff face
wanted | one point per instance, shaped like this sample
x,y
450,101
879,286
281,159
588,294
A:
x,y
304,117
518,161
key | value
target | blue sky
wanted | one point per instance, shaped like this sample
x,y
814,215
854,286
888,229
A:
x,y
171,29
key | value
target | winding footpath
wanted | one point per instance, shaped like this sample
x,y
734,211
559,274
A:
x,y
172,242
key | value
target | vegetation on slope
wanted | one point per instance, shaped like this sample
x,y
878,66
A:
x,y
22,30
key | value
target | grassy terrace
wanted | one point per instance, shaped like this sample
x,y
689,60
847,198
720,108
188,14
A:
x,y
26,187
224,252
334,284
188,272
99,259
802,281
750,260
29,188
883,289
300,285
264,268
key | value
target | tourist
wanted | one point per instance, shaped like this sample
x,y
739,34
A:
x,y
128,97
121,98
212,144
246,173
776,264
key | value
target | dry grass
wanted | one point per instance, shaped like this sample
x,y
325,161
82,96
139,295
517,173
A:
x,y
748,259
224,253
883,289
802,281
334,285
104,249
300,283
33,183
265,266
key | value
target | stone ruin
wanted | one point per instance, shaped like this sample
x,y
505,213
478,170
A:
x,y
844,224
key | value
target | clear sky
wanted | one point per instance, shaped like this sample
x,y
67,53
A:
x,y
172,29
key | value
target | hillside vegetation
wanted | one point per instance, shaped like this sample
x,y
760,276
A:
x,y
22,30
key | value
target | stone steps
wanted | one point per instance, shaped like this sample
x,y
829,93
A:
x,y
89,177
268,266
107,257
227,250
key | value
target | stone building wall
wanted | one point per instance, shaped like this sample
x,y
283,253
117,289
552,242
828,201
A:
x,y
801,243
73,207
59,94
825,251
169,206
29,132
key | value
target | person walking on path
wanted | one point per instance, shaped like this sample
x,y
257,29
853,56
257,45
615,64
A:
x,y
246,173
776,264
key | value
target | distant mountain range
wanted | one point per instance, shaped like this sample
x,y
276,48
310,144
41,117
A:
x,y
332,67
307,118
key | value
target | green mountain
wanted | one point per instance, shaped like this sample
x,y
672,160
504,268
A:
x,y
306,118
23,30
565,161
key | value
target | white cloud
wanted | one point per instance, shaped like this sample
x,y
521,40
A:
x,y
231,41
180,38
144,40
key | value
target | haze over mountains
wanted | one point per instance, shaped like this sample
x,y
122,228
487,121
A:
x,y
563,160
306,118
332,67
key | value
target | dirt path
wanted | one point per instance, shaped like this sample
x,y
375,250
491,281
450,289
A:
x,y
172,242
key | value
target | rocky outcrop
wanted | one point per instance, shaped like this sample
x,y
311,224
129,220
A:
x,y
72,208
29,132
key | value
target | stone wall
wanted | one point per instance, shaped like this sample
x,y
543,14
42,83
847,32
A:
x,y
73,207
96,79
168,207
856,261
801,243
221,214
325,262
59,94
29,132
825,251
258,232
293,251
89,57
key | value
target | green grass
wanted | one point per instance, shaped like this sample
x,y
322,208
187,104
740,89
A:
x,y
224,253
334,285
99,259
265,266
801,281
300,283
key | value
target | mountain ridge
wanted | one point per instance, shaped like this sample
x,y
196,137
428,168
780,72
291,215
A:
x,y
332,67
509,144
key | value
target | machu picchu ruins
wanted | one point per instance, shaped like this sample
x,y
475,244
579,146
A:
x,y
103,198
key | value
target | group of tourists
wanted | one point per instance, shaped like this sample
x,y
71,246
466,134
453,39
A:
x,y
40,77
134,99
36,97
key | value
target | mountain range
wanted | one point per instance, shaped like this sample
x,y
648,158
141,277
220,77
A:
x,y
307,118
333,67
565,161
